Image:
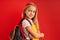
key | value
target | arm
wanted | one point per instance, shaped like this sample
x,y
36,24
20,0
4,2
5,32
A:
x,y
34,34
28,27
31,31
30,36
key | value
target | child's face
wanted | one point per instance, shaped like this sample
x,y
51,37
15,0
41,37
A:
x,y
30,12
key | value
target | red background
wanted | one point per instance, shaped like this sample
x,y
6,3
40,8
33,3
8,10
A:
x,y
49,17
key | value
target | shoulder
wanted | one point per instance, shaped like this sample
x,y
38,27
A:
x,y
25,23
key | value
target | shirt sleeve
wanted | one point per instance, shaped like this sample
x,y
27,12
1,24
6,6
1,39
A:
x,y
25,23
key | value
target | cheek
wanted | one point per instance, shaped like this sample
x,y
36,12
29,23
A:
x,y
33,14
27,13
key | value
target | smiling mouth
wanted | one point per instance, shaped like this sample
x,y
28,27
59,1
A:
x,y
30,15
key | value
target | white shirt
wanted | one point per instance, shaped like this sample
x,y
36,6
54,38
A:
x,y
25,23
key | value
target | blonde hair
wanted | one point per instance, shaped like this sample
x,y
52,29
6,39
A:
x,y
25,8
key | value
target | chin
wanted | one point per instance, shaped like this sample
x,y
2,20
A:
x,y
31,17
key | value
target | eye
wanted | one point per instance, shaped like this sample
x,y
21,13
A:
x,y
34,11
30,10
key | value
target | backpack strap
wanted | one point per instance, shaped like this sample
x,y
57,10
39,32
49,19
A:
x,y
12,34
22,20
29,21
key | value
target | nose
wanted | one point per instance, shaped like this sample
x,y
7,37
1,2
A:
x,y
31,13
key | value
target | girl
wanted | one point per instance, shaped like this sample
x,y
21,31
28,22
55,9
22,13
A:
x,y
30,23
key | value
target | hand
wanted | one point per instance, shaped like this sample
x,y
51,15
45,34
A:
x,y
31,36
42,35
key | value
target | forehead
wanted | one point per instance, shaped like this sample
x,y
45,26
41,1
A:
x,y
32,8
